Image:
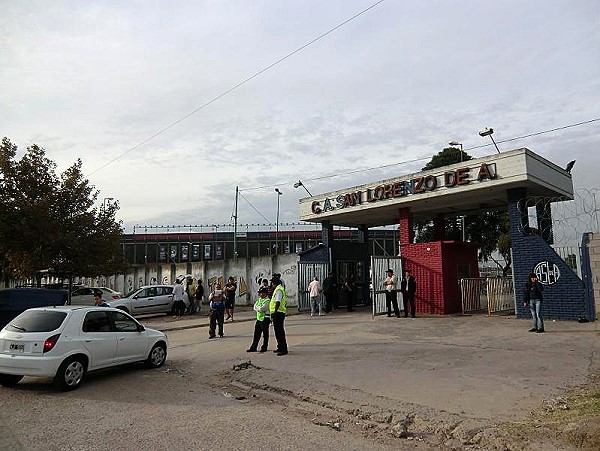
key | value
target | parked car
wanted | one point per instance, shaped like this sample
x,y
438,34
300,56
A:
x,y
14,301
148,299
66,342
85,295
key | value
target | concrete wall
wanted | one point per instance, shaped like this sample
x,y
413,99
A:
x,y
248,273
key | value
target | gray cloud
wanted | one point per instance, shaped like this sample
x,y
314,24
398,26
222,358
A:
x,y
93,80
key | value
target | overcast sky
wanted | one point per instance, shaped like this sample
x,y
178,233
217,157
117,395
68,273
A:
x,y
94,80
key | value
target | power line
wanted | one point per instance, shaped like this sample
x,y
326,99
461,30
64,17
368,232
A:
x,y
415,160
233,88
537,133
255,209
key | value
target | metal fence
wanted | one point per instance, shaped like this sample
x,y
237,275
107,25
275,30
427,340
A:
x,y
306,273
494,295
379,265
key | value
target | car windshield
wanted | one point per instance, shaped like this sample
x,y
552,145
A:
x,y
37,321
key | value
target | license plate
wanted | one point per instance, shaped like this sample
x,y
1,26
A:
x,y
16,347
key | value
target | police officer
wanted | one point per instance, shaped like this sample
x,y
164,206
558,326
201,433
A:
x,y
277,309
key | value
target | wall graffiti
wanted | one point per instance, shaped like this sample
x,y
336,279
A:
x,y
289,276
257,278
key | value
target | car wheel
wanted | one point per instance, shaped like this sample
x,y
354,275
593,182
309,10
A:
x,y
10,380
157,356
125,309
70,373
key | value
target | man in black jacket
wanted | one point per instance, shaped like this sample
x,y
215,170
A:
x,y
532,293
408,287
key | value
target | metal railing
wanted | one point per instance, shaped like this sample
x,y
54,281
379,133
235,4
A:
x,y
493,295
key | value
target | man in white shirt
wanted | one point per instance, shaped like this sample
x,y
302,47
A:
x,y
178,304
314,291
391,293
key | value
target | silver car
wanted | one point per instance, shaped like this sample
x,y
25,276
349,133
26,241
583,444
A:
x,y
148,299
85,295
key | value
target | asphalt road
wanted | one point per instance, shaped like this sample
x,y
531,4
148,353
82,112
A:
x,y
347,383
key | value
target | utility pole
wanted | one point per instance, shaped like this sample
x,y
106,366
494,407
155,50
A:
x,y
235,215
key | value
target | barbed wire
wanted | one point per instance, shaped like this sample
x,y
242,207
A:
x,y
241,228
571,218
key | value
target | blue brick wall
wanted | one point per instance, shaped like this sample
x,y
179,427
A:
x,y
565,299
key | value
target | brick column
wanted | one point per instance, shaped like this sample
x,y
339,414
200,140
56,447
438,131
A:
x,y
407,233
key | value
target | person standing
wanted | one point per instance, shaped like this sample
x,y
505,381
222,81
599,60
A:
x,y
314,291
391,293
230,288
408,287
190,289
266,284
532,293
216,301
98,301
178,296
277,308
199,295
329,292
347,296
263,320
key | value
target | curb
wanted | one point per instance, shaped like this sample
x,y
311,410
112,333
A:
x,y
194,326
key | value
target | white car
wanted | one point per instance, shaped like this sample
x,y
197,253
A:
x,y
66,342
85,295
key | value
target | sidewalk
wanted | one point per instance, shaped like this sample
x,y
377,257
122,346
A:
x,y
166,323
201,319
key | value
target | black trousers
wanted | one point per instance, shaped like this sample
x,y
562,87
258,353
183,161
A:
x,y
278,319
261,328
391,298
328,302
217,316
409,301
179,307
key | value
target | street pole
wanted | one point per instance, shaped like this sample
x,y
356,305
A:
x,y
235,217
456,143
462,219
279,193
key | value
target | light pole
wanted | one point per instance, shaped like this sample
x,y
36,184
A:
x,y
299,184
456,143
489,132
462,218
279,193
106,201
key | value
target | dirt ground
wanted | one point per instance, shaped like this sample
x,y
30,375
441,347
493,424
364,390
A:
x,y
350,382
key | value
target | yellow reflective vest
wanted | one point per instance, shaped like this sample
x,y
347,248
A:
x,y
282,302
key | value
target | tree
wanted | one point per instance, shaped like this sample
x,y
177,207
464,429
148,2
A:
x,y
49,222
448,156
489,230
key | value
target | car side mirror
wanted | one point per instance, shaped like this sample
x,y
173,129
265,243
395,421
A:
x,y
141,328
